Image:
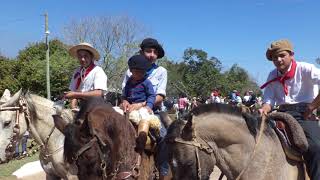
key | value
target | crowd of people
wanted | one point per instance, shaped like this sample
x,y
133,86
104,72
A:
x,y
183,104
290,83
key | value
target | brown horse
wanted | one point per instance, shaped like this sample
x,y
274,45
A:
x,y
221,135
102,144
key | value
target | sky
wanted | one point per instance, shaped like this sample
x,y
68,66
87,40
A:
x,y
234,31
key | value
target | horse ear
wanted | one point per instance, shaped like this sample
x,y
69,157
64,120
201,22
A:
x,y
59,122
188,132
5,97
13,99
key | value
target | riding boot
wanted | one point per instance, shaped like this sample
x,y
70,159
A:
x,y
143,129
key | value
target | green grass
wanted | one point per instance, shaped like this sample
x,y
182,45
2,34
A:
x,y
8,168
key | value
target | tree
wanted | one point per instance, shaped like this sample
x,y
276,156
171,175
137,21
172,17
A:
x,y
115,37
201,74
32,72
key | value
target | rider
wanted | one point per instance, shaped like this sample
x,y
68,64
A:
x,y
89,79
152,50
293,86
138,94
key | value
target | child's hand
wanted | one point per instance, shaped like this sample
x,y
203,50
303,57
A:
x,y
124,105
149,109
135,106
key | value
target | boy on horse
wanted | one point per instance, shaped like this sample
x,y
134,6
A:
x,y
293,86
88,80
138,94
153,51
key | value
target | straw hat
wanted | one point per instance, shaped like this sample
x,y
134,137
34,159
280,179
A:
x,y
278,46
84,46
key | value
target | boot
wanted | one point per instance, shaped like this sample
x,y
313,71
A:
x,y
143,129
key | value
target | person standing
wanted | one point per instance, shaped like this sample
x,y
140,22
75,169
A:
x,y
89,79
294,87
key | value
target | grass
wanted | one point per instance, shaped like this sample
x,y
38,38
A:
x,y
8,168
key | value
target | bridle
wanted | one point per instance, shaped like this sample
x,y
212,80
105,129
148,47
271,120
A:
x,y
114,174
212,149
22,107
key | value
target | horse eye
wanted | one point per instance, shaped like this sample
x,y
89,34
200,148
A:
x,y
6,124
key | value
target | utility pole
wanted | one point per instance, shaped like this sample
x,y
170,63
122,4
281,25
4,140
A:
x,y
47,56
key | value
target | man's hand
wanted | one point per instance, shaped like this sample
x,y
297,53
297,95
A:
x,y
262,112
70,95
308,112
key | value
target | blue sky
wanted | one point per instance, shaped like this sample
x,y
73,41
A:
x,y
234,31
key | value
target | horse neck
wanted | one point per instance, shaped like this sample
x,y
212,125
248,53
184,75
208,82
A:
x,y
40,122
236,146
231,136
124,142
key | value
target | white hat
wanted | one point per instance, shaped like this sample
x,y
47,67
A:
x,y
85,46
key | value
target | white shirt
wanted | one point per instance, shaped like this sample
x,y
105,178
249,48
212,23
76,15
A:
x,y
96,79
158,78
303,87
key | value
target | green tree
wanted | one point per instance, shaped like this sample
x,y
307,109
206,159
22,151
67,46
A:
x,y
201,74
32,72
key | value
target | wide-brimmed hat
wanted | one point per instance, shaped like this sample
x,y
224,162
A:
x,y
84,46
139,62
152,43
278,46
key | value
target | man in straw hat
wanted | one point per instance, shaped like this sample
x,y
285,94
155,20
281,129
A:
x,y
153,51
88,80
293,86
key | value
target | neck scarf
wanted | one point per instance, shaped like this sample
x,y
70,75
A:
x,y
82,74
151,69
288,75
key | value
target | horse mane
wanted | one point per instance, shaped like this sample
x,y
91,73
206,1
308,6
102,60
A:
x,y
216,107
252,120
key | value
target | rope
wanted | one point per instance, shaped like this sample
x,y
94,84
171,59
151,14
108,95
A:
x,y
262,125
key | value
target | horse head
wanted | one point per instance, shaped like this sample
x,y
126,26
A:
x,y
11,125
100,141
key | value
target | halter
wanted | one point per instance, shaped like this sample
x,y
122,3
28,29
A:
x,y
115,174
212,149
23,108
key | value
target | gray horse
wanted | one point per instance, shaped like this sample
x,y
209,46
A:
x,y
28,111
219,135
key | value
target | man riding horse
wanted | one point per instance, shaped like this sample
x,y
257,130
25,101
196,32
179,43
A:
x,y
293,86
89,79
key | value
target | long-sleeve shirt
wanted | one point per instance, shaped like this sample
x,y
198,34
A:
x,y
135,92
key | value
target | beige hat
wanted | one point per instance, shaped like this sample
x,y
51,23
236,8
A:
x,y
85,46
278,46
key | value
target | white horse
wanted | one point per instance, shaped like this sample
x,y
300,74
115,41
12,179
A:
x,y
23,112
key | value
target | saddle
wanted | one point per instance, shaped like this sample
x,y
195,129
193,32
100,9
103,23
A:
x,y
290,134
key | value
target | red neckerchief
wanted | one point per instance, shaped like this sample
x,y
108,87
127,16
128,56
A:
x,y
77,75
288,75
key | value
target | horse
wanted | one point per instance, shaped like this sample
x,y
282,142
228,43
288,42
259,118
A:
x,y
223,136
102,143
25,111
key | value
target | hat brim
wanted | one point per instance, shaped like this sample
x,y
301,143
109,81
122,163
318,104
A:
x,y
74,50
158,47
272,51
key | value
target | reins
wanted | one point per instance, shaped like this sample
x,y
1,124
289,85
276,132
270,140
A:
x,y
262,125
212,148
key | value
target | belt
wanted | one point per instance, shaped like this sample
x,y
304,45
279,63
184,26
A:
x,y
299,107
